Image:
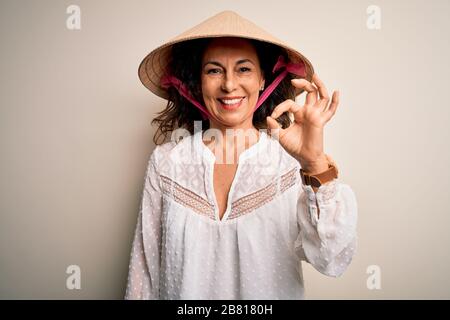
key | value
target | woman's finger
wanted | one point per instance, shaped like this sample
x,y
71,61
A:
x,y
287,105
333,106
323,92
311,96
274,128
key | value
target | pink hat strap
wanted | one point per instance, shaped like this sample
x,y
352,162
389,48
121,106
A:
x,y
168,81
295,68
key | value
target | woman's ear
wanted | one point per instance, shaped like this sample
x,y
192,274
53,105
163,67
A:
x,y
262,85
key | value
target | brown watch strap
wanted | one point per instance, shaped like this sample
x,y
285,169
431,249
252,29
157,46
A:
x,y
318,179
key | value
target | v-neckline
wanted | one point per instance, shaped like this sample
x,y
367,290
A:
x,y
209,172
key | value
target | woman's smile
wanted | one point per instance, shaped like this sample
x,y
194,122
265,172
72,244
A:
x,y
231,103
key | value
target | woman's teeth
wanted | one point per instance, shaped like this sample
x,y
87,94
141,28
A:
x,y
230,102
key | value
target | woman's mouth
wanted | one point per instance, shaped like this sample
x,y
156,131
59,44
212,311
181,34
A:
x,y
231,104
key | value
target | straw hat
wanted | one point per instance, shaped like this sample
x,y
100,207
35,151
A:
x,y
223,24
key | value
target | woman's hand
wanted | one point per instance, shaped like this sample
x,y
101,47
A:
x,y
303,139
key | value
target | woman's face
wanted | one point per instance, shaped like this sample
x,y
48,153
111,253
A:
x,y
231,79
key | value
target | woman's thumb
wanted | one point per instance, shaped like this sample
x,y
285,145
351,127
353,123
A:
x,y
273,125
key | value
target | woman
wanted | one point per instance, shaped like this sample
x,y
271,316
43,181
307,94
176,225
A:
x,y
230,211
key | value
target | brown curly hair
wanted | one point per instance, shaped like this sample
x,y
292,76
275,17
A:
x,y
185,64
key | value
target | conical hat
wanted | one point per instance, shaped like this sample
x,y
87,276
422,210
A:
x,y
223,24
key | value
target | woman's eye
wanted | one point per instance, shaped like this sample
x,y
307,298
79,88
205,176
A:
x,y
213,71
245,69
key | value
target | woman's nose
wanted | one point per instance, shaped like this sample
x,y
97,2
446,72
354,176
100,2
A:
x,y
229,82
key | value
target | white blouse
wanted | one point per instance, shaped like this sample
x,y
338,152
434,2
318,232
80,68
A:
x,y
182,250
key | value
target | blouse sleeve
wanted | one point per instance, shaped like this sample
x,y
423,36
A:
x,y
143,274
327,240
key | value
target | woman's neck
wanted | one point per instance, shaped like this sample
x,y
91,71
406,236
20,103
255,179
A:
x,y
228,143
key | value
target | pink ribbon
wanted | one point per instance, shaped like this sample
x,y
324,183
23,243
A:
x,y
294,68
168,80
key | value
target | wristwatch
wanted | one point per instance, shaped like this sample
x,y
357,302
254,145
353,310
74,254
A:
x,y
316,180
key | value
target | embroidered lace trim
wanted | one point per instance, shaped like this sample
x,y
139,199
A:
x,y
186,197
239,207
328,191
258,198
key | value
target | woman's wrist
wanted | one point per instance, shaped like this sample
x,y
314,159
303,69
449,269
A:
x,y
319,167
314,167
